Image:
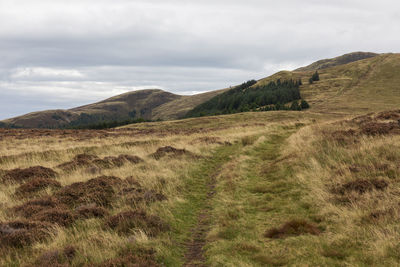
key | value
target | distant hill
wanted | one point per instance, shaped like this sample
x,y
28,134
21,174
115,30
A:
x,y
351,84
332,62
178,107
136,104
150,104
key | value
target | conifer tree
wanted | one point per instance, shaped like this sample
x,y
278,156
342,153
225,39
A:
x,y
304,104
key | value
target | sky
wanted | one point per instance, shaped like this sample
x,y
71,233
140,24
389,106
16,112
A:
x,y
65,53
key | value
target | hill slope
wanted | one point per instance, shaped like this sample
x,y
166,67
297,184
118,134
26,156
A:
x,y
370,82
342,60
148,104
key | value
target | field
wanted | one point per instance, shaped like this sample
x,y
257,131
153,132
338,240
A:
x,y
249,189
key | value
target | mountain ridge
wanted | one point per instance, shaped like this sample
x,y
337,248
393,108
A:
x,y
349,85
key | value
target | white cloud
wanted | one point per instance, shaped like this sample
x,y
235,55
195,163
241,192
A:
x,y
47,73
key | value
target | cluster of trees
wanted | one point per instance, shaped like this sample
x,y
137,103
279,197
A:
x,y
314,77
107,124
247,97
102,121
295,105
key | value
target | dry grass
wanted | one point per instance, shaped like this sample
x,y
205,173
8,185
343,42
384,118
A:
x,y
354,182
108,190
325,194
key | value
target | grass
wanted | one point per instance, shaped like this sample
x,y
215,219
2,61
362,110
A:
x,y
275,188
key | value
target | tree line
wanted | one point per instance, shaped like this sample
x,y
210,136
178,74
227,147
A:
x,y
247,97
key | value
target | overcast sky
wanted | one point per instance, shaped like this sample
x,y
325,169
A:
x,y
65,53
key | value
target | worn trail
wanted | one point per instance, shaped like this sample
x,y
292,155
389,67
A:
x,y
194,255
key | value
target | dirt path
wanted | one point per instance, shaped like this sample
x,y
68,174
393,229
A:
x,y
194,255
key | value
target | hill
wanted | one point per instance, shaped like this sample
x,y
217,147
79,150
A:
x,y
371,84
352,83
126,106
341,60
151,104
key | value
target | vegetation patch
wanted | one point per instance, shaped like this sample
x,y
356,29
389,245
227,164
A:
x,y
86,160
110,162
22,233
35,185
56,215
362,186
171,152
134,195
293,228
91,211
389,115
57,257
20,175
132,257
379,128
128,221
32,207
208,140
97,190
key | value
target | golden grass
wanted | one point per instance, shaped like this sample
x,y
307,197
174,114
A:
x,y
270,168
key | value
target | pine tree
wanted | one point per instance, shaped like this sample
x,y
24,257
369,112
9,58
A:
x,y
315,76
295,105
304,104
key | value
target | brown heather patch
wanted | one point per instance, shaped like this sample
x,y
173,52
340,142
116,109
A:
x,y
35,185
171,152
91,211
35,206
86,160
56,215
389,115
97,190
22,233
381,215
111,162
20,175
133,193
78,161
379,128
138,257
343,136
361,186
125,222
293,228
56,258
210,140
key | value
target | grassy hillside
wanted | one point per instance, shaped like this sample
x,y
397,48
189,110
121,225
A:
x,y
249,97
368,82
132,105
342,60
146,104
278,188
371,84
179,107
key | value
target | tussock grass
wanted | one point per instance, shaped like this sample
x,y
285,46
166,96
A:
x,y
173,175
328,188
